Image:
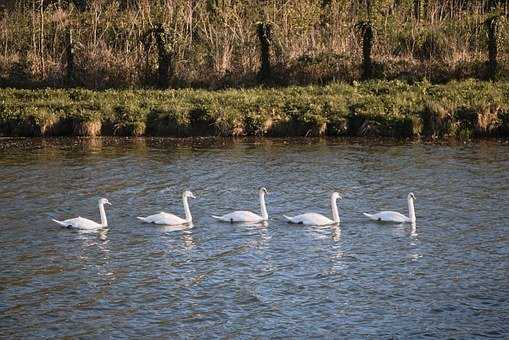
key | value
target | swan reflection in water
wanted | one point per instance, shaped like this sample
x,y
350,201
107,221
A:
x,y
336,232
95,244
186,233
253,225
413,231
261,229
331,231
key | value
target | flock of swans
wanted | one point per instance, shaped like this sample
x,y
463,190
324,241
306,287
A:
x,y
244,216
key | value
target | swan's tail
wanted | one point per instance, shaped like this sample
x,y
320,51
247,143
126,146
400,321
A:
x,y
368,215
290,220
59,222
142,219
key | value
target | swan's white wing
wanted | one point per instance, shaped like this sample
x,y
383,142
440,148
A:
x,y
240,216
79,223
163,218
310,219
388,216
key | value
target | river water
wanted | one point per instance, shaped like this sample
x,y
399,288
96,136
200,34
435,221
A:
x,y
447,277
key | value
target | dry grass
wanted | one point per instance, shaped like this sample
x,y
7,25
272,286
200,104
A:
x,y
214,42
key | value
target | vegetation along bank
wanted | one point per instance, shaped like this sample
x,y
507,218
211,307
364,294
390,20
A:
x,y
398,109
241,43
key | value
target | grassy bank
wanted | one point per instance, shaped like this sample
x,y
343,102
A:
x,y
379,108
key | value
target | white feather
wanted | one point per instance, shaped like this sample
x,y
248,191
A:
x,y
84,223
240,216
163,218
170,219
310,219
396,217
247,216
318,219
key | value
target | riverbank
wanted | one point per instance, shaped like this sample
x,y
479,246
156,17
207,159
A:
x,y
379,108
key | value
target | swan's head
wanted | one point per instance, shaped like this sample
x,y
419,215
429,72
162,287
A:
x,y
411,196
104,201
262,190
189,194
336,196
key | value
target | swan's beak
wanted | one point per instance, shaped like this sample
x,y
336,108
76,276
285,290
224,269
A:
x,y
192,196
108,203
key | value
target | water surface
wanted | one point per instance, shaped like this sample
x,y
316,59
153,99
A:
x,y
448,277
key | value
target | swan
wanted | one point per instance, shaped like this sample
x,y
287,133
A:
x,y
84,223
393,216
247,216
170,219
318,219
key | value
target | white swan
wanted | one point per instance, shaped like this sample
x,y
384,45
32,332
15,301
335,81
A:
x,y
393,216
318,219
84,223
170,219
247,216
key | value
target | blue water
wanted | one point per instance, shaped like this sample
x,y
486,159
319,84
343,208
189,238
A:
x,y
447,277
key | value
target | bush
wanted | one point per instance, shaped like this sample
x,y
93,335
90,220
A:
x,y
431,45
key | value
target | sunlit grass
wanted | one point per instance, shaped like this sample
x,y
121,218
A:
x,y
377,108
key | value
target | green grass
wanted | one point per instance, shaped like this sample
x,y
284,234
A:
x,y
398,109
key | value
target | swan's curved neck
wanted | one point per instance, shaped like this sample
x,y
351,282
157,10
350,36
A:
x,y
335,212
411,210
104,221
263,207
189,218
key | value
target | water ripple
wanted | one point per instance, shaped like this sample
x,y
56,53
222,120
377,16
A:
x,y
447,277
